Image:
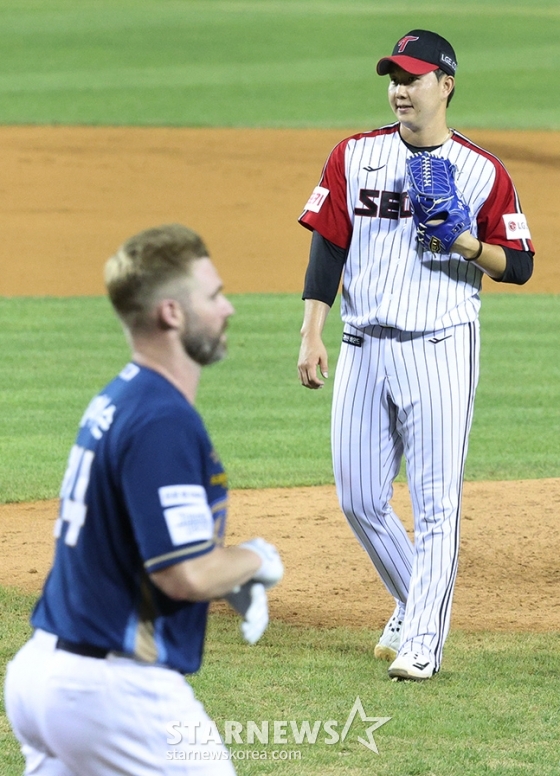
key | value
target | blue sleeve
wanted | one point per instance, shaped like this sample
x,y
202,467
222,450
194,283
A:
x,y
164,487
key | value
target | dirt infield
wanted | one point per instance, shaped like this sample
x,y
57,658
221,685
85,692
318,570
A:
x,y
508,571
71,195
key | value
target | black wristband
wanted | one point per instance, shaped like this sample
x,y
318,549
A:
x,y
478,253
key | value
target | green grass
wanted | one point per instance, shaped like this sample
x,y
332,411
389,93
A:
x,y
14,631
516,427
492,711
57,353
271,63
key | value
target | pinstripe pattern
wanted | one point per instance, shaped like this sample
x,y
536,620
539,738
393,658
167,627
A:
x,y
387,280
400,394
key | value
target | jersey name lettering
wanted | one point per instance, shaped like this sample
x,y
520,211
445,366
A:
x,y
392,204
98,416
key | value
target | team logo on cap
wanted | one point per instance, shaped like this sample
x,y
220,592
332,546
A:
x,y
403,42
449,62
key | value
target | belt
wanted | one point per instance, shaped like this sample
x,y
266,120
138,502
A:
x,y
86,650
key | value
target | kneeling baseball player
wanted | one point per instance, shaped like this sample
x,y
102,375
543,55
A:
x,y
140,543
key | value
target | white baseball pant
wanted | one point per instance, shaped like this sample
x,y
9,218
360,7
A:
x,y
412,394
82,716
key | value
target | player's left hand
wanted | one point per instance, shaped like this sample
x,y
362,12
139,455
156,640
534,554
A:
x,y
251,601
439,211
272,568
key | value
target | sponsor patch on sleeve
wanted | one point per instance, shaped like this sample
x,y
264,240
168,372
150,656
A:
x,y
317,198
516,227
187,513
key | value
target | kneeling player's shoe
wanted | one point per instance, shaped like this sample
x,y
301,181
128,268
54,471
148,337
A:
x,y
413,666
390,640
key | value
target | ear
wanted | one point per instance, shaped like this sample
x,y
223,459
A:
x,y
169,314
447,84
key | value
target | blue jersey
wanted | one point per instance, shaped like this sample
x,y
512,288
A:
x,y
144,489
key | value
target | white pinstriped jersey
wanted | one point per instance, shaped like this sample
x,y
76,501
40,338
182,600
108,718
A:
x,y
389,279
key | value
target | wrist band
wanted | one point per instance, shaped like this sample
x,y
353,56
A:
x,y
478,253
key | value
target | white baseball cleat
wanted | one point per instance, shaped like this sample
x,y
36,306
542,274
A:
x,y
390,640
414,666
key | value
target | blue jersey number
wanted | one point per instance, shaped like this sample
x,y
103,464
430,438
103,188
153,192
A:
x,y
73,507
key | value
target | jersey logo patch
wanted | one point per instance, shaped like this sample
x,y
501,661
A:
x,y
352,339
516,227
315,201
187,513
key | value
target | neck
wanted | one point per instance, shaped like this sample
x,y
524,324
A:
x,y
167,357
425,136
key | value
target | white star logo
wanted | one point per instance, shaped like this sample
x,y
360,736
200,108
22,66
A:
x,y
358,708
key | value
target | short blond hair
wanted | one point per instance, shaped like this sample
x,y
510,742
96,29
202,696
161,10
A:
x,y
144,264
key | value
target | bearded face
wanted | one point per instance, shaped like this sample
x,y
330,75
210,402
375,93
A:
x,y
201,343
206,312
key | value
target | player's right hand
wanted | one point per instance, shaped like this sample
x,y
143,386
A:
x,y
256,617
312,357
251,601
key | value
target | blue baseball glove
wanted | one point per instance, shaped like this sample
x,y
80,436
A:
x,y
438,209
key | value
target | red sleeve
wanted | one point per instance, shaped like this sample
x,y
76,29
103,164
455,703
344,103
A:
x,y
501,220
326,210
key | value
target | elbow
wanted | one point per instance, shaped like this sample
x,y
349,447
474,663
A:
x,y
182,583
195,588
519,267
527,275
516,278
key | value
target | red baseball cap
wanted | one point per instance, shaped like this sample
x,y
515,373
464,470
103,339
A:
x,y
419,52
